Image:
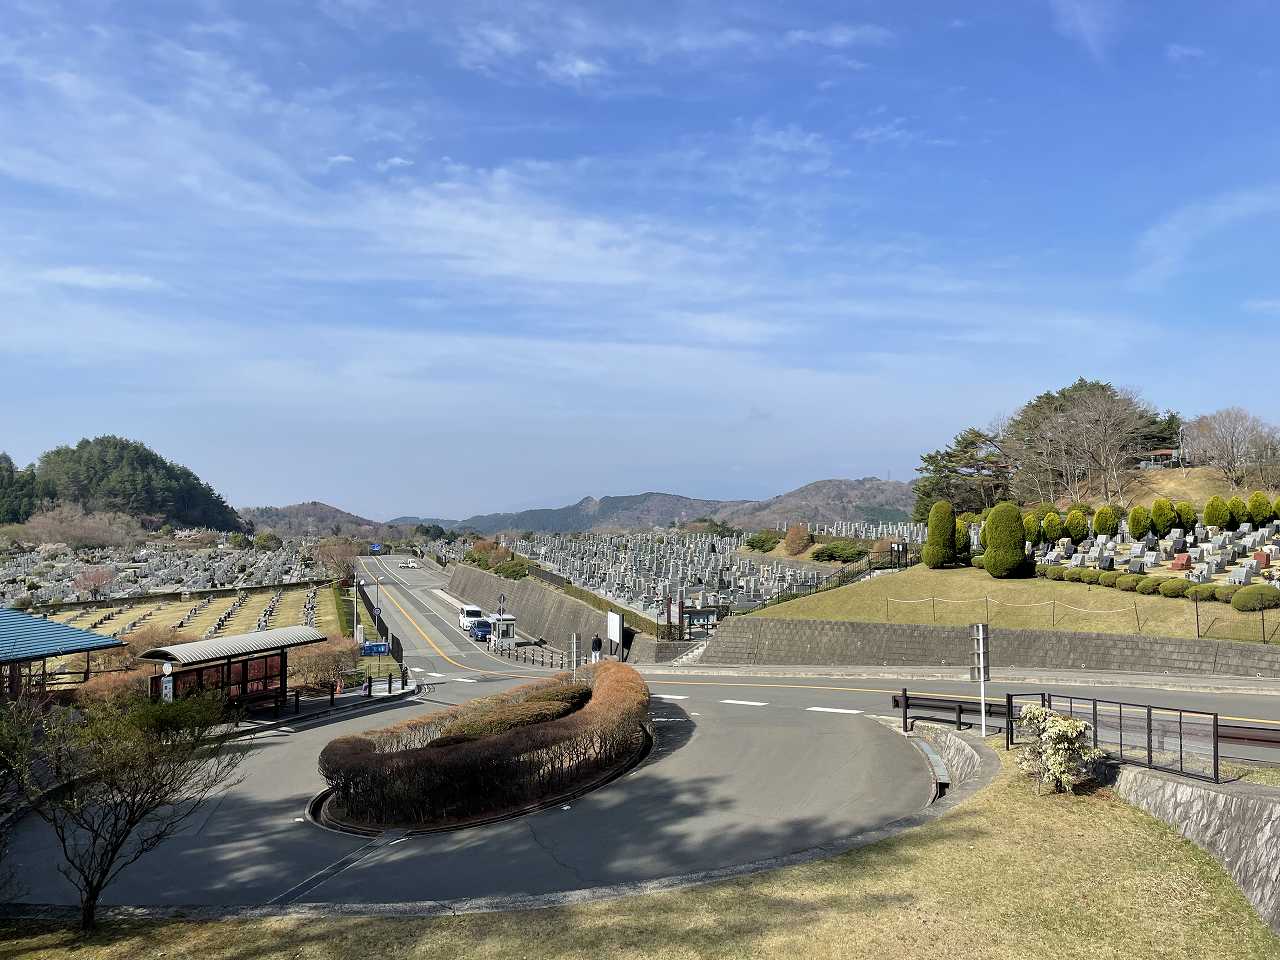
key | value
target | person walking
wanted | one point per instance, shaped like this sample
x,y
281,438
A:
x,y
596,646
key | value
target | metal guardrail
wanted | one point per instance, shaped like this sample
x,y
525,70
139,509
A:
x,y
1172,739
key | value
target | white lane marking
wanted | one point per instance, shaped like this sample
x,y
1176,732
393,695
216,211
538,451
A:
x,y
435,674
669,696
464,679
748,703
830,710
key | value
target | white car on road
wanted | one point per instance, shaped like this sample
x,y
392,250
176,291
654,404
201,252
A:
x,y
468,615
409,565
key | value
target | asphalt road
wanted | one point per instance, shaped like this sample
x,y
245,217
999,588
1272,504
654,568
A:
x,y
733,779
744,769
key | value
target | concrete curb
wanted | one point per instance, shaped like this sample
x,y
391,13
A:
x,y
366,703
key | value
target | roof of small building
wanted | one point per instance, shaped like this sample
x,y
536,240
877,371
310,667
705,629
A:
x,y
24,638
237,645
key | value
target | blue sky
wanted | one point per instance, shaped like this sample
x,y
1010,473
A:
x,y
445,258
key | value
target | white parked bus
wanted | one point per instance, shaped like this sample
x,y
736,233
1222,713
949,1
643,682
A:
x,y
467,615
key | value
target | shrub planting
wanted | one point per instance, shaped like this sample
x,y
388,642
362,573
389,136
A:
x,y
1105,522
1051,526
421,771
1257,596
1275,507
1059,751
1223,592
1139,522
1076,526
1041,569
1260,510
940,543
1129,582
1186,511
839,551
797,540
962,540
1031,529
1174,587
1216,512
1163,517
979,560
1006,554
1203,592
1108,578
1089,575
1055,573
1073,574
1149,586
1239,511
764,541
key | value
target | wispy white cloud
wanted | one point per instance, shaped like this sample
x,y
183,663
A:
x,y
88,278
569,68
1182,53
393,163
839,35
1268,306
1165,247
339,159
1092,23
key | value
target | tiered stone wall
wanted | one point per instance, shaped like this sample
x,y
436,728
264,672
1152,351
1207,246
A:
x,y
541,611
766,640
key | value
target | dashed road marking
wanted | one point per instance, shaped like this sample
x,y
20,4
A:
x,y
670,696
464,679
747,703
830,710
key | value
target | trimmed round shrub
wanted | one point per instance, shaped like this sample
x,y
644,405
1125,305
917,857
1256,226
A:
x,y
1051,527
1072,575
1139,522
1256,596
1031,528
1076,526
1163,517
1203,592
1260,510
1174,587
1090,575
962,539
1223,592
1275,507
940,544
1186,511
1105,522
1108,578
1129,582
1040,569
1149,585
1006,554
1055,573
1216,512
978,560
1239,511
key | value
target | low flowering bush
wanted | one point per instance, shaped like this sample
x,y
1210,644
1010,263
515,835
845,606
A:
x,y
1059,751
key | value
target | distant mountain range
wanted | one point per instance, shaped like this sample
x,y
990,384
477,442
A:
x,y
822,502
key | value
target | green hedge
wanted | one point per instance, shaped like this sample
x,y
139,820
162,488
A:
x,y
1090,575
1052,527
978,560
1006,554
1224,592
1239,510
1108,578
1256,596
1163,516
1105,522
940,543
1260,509
1076,526
1186,511
1203,592
1139,522
1216,512
1173,587
1129,581
1149,586
1055,573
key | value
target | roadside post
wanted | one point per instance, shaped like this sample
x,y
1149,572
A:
x,y
980,669
166,683
573,653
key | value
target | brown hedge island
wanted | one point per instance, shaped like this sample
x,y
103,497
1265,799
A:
x,y
491,756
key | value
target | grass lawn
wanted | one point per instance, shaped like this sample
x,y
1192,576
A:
x,y
1263,774
1096,609
1008,876
1197,484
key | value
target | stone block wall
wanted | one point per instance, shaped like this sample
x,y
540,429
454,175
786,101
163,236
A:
x,y
766,640
541,611
1237,824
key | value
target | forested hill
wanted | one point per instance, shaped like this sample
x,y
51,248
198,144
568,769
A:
x,y
116,475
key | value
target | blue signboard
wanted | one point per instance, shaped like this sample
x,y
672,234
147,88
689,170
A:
x,y
375,548
373,649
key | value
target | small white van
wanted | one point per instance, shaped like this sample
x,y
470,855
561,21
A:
x,y
468,615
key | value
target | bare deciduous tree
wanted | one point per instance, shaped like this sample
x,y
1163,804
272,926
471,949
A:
x,y
93,581
134,772
1229,440
338,558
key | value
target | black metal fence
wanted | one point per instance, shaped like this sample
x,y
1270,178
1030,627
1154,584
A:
x,y
1157,737
384,632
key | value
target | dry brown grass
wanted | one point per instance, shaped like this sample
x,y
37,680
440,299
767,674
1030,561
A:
x,y
1008,876
1196,484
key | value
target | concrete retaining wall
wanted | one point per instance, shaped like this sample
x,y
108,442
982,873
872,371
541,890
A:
x,y
543,612
958,754
765,640
1237,824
